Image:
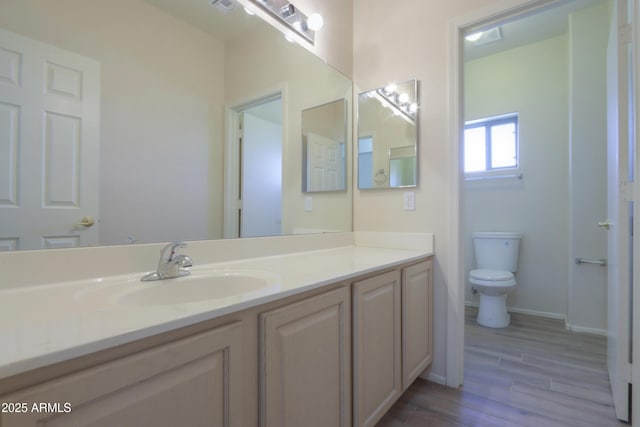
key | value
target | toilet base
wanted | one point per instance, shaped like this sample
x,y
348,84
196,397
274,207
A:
x,y
492,311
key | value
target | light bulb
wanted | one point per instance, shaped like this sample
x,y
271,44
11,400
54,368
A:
x,y
390,88
315,21
413,107
249,11
403,98
474,37
289,37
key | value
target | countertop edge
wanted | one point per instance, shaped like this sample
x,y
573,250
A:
x,y
24,365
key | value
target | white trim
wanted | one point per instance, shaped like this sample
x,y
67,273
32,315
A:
x,y
455,283
438,379
545,314
231,162
548,315
455,269
583,330
635,371
232,111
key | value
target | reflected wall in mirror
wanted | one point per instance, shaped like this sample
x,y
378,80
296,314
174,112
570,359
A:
x,y
324,136
388,136
143,157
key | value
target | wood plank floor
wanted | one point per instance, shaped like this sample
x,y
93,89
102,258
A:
x,y
533,373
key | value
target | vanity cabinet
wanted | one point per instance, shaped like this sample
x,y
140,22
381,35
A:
x,y
305,373
417,312
392,337
376,346
195,381
339,355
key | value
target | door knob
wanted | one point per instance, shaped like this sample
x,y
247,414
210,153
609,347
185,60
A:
x,y
87,221
606,224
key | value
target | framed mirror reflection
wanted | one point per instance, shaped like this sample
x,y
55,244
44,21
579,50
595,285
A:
x,y
388,136
324,158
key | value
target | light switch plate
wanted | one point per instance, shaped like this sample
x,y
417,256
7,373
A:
x,y
409,201
308,203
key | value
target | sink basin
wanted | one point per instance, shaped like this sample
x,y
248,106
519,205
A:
x,y
200,286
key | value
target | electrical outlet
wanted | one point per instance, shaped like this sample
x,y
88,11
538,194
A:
x,y
409,201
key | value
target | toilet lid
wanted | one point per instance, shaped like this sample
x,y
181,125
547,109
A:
x,y
491,275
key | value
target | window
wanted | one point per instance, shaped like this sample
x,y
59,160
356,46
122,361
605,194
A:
x,y
491,144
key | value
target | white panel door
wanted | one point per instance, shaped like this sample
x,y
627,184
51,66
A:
x,y
49,136
324,163
620,144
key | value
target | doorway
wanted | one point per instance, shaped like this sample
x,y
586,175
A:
x,y
501,188
253,188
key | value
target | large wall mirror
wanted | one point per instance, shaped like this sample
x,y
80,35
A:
x,y
119,119
324,137
388,136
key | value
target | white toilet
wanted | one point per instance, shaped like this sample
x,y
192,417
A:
x,y
496,261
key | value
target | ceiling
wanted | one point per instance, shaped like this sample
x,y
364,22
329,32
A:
x,y
542,24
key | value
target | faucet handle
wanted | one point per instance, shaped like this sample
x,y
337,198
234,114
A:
x,y
167,253
183,261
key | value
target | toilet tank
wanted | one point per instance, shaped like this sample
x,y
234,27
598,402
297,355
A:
x,y
496,250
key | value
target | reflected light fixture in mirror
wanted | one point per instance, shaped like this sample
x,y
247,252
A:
x,y
388,136
399,103
295,19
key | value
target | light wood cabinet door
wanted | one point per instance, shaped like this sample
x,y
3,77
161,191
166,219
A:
x,y
194,381
305,363
417,328
376,346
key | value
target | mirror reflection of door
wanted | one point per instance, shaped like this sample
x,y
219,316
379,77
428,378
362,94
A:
x,y
324,134
49,135
261,170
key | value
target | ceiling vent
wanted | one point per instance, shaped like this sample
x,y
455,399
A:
x,y
223,6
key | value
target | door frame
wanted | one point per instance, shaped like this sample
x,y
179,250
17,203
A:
x,y
478,19
232,157
635,346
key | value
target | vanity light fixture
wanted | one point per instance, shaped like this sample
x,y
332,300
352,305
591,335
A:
x,y
400,103
292,17
224,6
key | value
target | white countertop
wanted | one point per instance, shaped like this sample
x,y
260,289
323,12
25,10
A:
x,y
45,324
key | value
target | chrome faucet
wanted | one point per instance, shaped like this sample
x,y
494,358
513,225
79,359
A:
x,y
170,265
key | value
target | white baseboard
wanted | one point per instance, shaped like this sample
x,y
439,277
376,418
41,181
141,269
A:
x,y
584,330
546,314
438,379
558,316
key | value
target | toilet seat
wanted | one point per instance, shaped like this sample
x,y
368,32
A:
x,y
488,277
